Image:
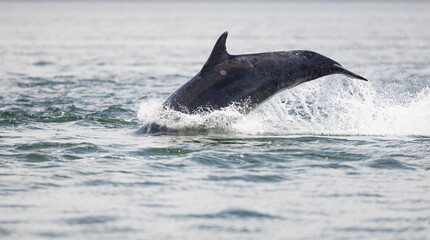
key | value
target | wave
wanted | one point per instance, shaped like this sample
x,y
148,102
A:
x,y
110,117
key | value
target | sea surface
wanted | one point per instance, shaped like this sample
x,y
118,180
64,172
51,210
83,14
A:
x,y
334,158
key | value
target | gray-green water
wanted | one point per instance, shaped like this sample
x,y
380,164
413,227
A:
x,y
330,159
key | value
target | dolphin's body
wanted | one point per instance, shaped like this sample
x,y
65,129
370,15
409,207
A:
x,y
248,79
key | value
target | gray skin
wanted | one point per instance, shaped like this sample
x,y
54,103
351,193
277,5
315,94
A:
x,y
249,79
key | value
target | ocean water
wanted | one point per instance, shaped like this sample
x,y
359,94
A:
x,y
330,159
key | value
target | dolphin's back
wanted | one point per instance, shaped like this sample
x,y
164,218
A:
x,y
251,78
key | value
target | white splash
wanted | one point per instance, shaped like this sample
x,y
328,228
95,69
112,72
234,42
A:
x,y
152,111
334,107
323,107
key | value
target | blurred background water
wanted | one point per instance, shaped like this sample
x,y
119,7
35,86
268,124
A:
x,y
334,158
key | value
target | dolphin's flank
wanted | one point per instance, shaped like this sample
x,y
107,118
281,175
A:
x,y
226,79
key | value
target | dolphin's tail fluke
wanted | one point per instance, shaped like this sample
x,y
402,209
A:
x,y
342,70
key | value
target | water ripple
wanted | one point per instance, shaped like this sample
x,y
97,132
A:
x,y
42,145
231,214
82,148
111,117
389,164
249,178
163,151
99,182
42,63
90,220
331,165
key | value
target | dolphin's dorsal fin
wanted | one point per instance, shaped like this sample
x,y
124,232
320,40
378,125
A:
x,y
219,53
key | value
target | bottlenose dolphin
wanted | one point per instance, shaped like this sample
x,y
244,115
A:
x,y
247,79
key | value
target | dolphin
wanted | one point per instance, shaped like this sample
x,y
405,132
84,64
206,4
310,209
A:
x,y
247,79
